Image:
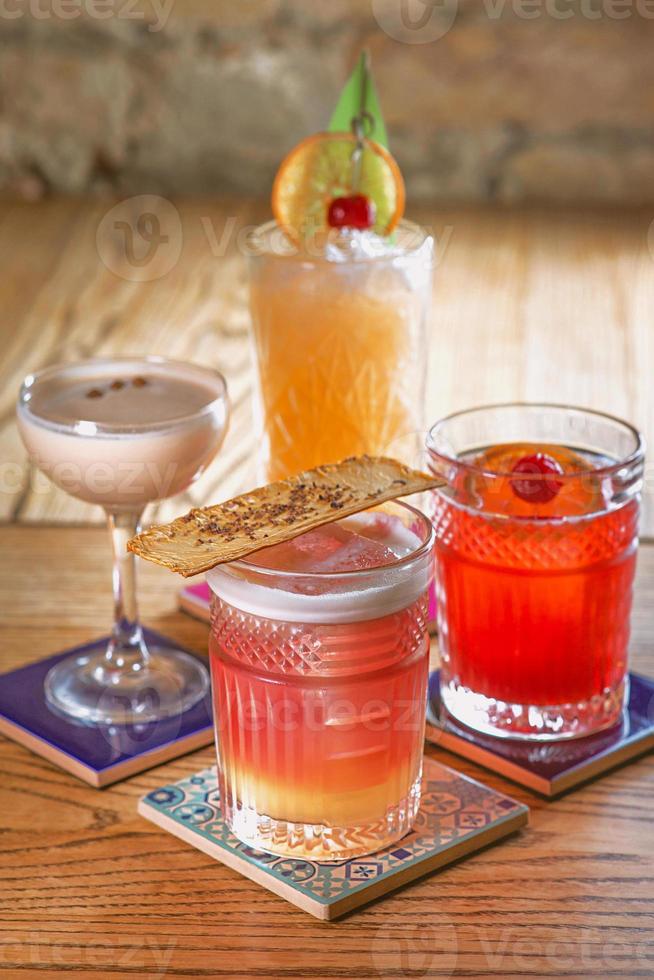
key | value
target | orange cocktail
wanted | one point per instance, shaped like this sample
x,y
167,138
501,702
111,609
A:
x,y
340,345
319,658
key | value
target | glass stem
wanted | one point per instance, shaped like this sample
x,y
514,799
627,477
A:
x,y
127,652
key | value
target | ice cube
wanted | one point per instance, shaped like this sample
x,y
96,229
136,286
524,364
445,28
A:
x,y
349,244
386,529
330,548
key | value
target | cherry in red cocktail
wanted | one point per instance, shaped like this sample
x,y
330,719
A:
x,y
535,557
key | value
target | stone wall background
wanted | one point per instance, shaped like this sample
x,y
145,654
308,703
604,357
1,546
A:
x,y
539,100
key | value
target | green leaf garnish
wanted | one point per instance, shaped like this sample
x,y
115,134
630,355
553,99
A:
x,y
358,97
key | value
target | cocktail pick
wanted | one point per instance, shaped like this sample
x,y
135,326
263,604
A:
x,y
358,110
358,101
209,536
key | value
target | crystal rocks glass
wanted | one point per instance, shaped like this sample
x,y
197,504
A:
x,y
534,598
340,346
319,682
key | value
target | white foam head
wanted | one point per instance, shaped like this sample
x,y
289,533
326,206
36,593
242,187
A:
x,y
336,597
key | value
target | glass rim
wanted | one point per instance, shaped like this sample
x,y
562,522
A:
x,y
123,428
299,252
635,456
425,546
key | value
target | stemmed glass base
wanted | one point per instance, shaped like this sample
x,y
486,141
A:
x,y
125,681
87,688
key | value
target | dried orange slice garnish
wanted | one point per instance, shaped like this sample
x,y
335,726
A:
x,y
321,168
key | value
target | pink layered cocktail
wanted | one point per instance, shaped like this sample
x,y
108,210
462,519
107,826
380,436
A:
x,y
319,655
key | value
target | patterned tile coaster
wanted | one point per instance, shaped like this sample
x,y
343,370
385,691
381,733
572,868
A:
x,y
554,767
98,754
457,817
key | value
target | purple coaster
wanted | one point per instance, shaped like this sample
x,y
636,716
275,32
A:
x,y
549,768
98,754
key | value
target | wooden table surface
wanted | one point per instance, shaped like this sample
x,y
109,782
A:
x,y
528,304
533,305
90,887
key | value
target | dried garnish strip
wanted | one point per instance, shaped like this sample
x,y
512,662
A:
x,y
209,536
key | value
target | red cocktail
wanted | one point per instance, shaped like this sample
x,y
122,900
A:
x,y
319,656
536,539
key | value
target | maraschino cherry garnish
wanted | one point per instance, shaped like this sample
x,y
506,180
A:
x,y
354,211
536,490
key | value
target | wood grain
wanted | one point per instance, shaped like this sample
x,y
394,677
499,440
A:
x,y
89,889
528,304
553,305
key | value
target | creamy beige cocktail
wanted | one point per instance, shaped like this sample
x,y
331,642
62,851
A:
x,y
122,432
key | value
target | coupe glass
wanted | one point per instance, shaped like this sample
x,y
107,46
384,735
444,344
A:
x,y
147,448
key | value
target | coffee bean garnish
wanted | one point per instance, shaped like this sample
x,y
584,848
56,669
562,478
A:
x,y
138,381
117,385
94,393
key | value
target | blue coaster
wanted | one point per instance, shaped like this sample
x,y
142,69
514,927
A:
x,y
457,816
98,754
549,768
